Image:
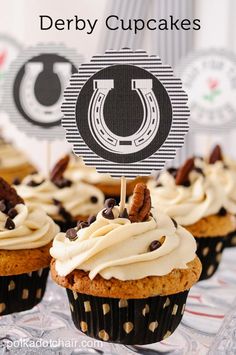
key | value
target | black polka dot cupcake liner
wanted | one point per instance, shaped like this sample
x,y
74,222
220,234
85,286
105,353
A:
x,y
230,240
22,292
131,321
209,251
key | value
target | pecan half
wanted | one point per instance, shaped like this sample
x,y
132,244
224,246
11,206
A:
x,y
9,194
182,176
141,204
59,169
216,155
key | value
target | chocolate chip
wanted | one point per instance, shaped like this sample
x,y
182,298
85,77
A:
x,y
108,214
33,183
56,202
93,199
3,206
9,224
172,171
110,203
124,214
159,184
154,245
91,219
12,213
198,170
174,222
82,225
222,212
16,181
186,183
62,183
71,234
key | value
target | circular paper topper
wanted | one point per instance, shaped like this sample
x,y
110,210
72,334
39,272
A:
x,y
34,86
125,113
209,76
9,49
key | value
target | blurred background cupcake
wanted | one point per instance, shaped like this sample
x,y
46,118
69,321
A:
x,y
128,273
78,171
26,233
64,200
14,164
196,201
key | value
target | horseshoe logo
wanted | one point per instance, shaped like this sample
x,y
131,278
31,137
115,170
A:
x,y
146,132
31,106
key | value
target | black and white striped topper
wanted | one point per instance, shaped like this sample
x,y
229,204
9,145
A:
x,y
34,87
125,113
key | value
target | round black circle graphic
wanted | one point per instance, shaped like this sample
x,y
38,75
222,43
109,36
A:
x,y
47,87
123,112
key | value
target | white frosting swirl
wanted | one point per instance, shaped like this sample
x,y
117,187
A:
x,y
78,171
33,229
11,157
187,205
120,249
76,199
225,177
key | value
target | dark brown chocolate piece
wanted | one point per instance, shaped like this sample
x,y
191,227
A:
x,y
154,245
9,224
71,234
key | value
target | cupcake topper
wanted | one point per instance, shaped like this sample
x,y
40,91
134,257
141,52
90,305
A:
x,y
125,113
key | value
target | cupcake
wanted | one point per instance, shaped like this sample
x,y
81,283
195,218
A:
x,y
25,239
13,163
196,201
65,201
222,170
127,274
78,171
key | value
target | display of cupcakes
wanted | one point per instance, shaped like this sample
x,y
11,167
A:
x,y
196,202
78,171
13,163
66,201
127,273
25,239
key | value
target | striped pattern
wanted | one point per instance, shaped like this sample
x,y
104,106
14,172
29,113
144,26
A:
x,y
52,133
177,96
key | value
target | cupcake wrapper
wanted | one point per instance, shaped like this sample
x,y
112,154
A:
x,y
209,251
132,321
230,240
22,292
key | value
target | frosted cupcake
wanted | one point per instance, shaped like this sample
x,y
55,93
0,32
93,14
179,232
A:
x,y
66,202
25,238
78,171
196,202
13,163
127,274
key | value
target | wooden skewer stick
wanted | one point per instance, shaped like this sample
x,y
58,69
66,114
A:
x,y
122,194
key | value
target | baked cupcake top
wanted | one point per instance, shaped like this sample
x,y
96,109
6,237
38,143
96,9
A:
x,y
21,226
222,171
130,246
78,171
59,196
11,157
186,194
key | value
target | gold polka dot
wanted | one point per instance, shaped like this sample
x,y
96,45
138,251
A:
x,y
25,294
39,293
175,309
210,270
183,308
40,271
205,251
219,246
219,257
2,307
168,333
167,303
153,326
145,310
71,307
103,335
87,306
128,327
83,326
105,308
11,285
123,303
75,294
